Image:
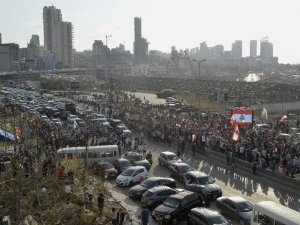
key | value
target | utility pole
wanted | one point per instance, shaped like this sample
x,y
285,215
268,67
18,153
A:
x,y
199,63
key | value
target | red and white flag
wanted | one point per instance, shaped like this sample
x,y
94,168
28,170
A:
x,y
18,133
284,117
236,133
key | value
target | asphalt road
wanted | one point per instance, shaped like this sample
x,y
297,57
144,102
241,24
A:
x,y
254,189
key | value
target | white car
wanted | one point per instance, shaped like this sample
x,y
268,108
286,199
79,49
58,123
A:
x,y
72,118
132,175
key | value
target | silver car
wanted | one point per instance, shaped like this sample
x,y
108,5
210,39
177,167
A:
x,y
167,158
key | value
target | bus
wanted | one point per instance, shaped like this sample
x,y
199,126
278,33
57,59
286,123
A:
x,y
272,213
108,153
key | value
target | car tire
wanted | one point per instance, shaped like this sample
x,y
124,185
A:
x,y
188,221
220,210
159,162
131,183
242,222
174,221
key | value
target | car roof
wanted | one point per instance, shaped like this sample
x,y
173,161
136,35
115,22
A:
x,y
183,194
197,174
208,213
159,178
136,167
168,153
236,199
122,160
133,153
180,164
159,188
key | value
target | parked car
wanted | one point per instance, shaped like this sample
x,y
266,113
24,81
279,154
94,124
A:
x,y
132,175
236,208
167,158
71,118
177,206
56,121
121,165
104,169
204,216
179,170
156,195
203,184
137,191
137,159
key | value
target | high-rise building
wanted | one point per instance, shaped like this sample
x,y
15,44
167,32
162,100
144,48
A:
x,y
9,57
140,45
0,38
204,51
266,51
58,36
253,48
35,40
100,54
237,50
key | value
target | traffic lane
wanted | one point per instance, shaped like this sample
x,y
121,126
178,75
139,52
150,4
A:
x,y
252,188
135,207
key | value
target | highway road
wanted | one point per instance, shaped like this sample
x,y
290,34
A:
x,y
253,188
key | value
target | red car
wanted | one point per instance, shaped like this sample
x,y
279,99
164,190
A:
x,y
104,169
179,170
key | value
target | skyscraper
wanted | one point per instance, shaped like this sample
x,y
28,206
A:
x,y
140,45
9,57
58,36
204,51
0,38
253,48
266,51
237,50
35,40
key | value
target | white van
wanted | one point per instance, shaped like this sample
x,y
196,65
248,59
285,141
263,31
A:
x,y
90,154
272,213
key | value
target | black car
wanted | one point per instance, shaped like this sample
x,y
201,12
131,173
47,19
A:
x,y
137,159
203,184
177,206
121,165
137,191
236,208
156,195
204,216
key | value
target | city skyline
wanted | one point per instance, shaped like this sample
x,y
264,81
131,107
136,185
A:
x,y
165,24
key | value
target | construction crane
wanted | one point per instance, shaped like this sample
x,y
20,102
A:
x,y
266,38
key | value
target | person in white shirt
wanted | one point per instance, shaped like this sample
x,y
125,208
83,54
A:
x,y
90,191
68,191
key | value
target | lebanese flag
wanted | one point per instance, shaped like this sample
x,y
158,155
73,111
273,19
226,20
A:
x,y
284,117
241,116
178,125
18,133
236,133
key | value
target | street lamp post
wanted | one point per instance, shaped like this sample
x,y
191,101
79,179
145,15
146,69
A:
x,y
199,76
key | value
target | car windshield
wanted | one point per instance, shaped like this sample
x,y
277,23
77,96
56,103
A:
x,y
205,180
172,157
138,157
171,202
128,172
244,206
106,166
184,168
124,164
147,183
218,221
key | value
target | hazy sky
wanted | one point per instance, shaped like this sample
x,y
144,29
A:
x,y
183,23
